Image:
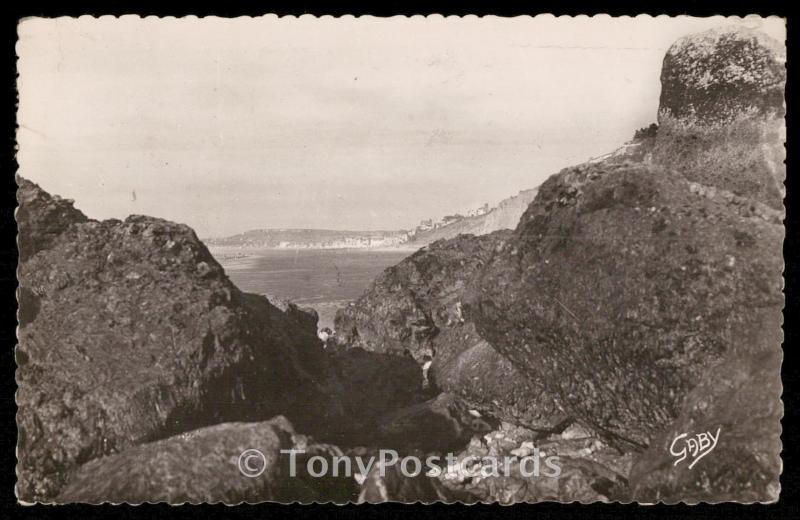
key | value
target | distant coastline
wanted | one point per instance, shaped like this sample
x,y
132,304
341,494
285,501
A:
x,y
480,221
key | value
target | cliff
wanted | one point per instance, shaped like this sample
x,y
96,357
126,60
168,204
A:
x,y
504,216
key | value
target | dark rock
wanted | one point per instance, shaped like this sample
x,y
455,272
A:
x,y
195,467
125,340
416,307
359,388
717,76
41,218
721,113
738,402
203,466
409,303
485,380
622,285
441,424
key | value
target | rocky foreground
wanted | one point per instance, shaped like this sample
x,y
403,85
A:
x,y
638,299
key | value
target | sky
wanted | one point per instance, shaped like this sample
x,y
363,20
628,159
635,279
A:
x,y
337,123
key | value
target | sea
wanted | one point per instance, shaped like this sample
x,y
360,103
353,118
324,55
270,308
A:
x,y
324,279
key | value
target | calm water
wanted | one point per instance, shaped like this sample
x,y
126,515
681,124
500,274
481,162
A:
x,y
323,279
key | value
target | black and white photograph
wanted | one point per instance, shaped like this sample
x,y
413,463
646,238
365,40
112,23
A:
x,y
409,259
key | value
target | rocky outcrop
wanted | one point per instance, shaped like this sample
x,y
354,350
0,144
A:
x,y
622,285
406,307
131,332
721,113
41,218
486,380
625,281
417,307
718,76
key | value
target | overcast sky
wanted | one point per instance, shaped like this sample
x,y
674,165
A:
x,y
229,125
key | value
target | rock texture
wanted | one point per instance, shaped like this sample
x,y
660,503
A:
x,y
717,76
417,307
391,485
130,332
205,466
739,402
638,299
41,218
721,113
575,465
623,284
626,281
195,467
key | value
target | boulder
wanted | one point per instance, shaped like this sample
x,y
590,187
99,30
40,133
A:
x,y
623,284
630,276
721,113
716,77
131,332
201,466
406,307
229,463
416,307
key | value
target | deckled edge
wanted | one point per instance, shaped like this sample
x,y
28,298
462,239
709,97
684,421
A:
x,y
397,17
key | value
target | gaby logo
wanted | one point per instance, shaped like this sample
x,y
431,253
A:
x,y
696,446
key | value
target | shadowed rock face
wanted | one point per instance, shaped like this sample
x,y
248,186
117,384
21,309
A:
x,y
623,284
441,424
640,295
417,307
360,387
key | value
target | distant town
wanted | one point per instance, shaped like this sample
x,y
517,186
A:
x,y
336,239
